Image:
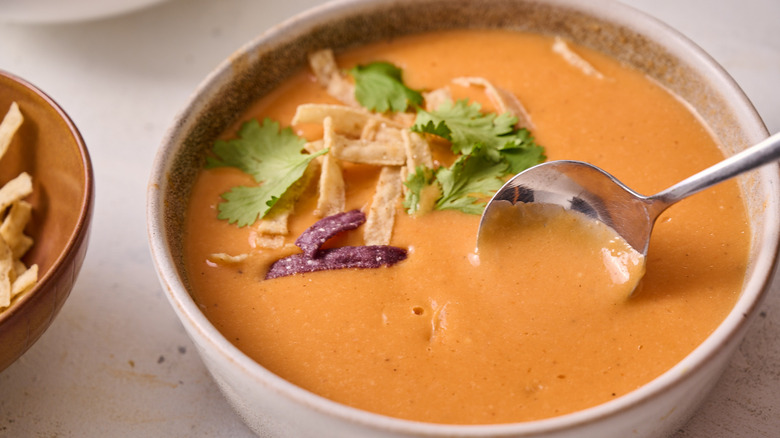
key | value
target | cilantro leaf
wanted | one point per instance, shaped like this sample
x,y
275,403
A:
x,y
521,158
469,179
379,87
417,183
467,125
244,204
520,151
272,156
429,127
466,128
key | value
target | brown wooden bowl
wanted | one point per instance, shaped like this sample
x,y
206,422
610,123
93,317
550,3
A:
x,y
49,147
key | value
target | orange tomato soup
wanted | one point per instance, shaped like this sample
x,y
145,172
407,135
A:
x,y
438,338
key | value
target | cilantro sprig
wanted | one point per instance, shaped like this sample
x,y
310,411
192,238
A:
x,y
490,148
462,186
272,156
379,87
466,126
469,179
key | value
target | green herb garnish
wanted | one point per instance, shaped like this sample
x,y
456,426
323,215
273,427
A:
x,y
469,180
272,156
462,186
465,126
490,148
417,183
379,87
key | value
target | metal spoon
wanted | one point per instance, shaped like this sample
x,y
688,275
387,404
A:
x,y
579,186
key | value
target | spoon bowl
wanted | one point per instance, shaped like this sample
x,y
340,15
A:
x,y
587,189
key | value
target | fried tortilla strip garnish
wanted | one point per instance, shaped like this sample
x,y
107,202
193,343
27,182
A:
x,y
560,47
15,277
362,257
7,272
404,119
381,215
370,129
324,66
221,258
24,281
386,149
324,229
19,268
332,197
503,100
418,151
275,223
314,146
12,228
347,121
314,258
436,97
8,127
269,241
15,190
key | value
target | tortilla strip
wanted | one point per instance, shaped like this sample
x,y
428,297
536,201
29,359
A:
x,y
12,228
418,151
381,216
275,223
312,239
560,47
11,122
436,97
503,100
346,120
370,130
15,277
387,149
25,281
6,273
404,119
314,146
15,190
342,257
323,63
269,242
332,197
19,268
226,259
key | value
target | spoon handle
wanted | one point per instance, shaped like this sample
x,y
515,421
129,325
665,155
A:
x,y
765,152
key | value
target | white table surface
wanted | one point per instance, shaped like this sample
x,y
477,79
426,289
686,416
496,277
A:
x,y
116,362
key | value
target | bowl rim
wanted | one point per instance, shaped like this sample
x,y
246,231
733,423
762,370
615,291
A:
x,y
85,208
729,331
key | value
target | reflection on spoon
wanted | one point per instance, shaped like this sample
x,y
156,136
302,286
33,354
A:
x,y
586,189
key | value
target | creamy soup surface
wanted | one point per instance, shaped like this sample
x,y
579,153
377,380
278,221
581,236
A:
x,y
440,338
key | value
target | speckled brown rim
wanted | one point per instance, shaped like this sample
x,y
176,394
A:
x,y
634,36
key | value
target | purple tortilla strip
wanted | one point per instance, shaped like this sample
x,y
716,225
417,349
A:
x,y
312,239
373,256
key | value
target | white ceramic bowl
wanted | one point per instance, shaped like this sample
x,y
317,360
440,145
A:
x,y
273,407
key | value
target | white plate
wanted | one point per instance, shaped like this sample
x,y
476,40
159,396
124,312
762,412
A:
x,y
63,11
